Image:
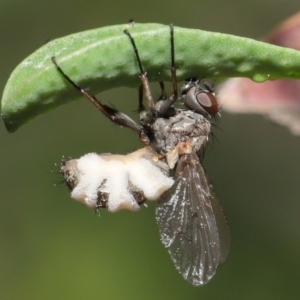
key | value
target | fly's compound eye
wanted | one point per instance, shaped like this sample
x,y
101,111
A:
x,y
208,102
201,98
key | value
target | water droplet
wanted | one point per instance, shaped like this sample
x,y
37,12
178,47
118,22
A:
x,y
259,78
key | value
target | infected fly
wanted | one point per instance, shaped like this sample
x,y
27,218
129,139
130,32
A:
x,y
191,222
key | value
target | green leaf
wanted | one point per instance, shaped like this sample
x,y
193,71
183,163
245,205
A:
x,y
103,58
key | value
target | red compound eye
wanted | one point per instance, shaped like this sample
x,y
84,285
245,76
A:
x,y
208,102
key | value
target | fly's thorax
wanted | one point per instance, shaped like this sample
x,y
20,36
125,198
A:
x,y
116,181
185,126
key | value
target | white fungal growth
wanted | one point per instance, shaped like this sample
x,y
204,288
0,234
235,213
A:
x,y
117,181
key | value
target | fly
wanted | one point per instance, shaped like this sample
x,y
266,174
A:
x,y
191,222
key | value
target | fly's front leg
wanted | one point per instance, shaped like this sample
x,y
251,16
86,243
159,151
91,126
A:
x,y
163,96
143,76
173,67
141,104
165,106
112,114
163,93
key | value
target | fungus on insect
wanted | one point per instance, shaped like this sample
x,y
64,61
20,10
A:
x,y
191,222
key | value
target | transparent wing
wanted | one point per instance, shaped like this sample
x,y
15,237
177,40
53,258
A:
x,y
191,223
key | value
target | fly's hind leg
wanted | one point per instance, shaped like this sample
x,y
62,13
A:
x,y
112,114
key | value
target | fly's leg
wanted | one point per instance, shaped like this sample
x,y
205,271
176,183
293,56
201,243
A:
x,y
164,108
112,114
143,76
173,67
169,101
141,108
163,93
163,96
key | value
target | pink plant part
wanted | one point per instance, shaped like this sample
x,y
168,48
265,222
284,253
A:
x,y
278,100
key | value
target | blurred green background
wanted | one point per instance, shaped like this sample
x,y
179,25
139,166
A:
x,y
54,248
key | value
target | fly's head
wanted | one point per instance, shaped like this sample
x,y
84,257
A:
x,y
200,97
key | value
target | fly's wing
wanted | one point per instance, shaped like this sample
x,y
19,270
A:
x,y
191,223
